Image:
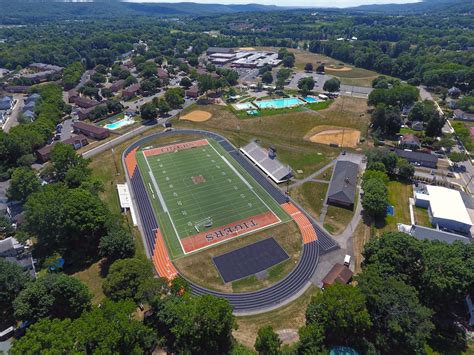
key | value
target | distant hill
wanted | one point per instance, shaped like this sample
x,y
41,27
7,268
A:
x,y
19,11
426,5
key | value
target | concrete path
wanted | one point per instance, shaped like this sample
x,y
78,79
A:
x,y
313,175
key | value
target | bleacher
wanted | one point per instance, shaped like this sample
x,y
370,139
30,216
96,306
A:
x,y
272,167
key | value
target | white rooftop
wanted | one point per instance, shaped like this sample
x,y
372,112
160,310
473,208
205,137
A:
x,y
448,204
126,200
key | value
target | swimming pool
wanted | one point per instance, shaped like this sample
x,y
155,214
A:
x,y
244,106
310,99
118,124
279,103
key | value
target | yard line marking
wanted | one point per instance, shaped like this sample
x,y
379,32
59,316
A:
x,y
242,178
162,201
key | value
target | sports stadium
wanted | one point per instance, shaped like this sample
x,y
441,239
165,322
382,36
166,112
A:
x,y
193,190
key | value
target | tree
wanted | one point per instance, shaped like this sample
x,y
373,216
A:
x,y
194,325
117,244
374,174
125,278
386,120
64,158
380,82
308,67
69,221
268,342
6,228
186,82
267,77
341,312
401,324
148,111
108,329
206,83
53,335
398,254
289,60
12,281
306,85
332,85
175,97
374,200
54,295
387,158
129,80
405,169
311,339
163,106
22,184
320,69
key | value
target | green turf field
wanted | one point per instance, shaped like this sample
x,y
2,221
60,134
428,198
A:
x,y
191,187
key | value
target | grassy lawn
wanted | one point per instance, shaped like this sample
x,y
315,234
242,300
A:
x,y
398,195
93,278
291,316
311,196
337,219
326,174
360,237
421,217
192,266
287,131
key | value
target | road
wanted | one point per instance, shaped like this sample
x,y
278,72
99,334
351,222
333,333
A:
x,y
135,105
133,133
12,120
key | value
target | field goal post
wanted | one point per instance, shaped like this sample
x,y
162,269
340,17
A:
x,y
206,223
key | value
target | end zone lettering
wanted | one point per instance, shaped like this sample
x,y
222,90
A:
x,y
231,230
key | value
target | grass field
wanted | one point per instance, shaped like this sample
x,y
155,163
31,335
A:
x,y
198,192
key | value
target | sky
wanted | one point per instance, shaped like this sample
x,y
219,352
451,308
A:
x,y
309,3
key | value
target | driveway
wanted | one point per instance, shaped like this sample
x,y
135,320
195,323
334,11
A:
x,y
12,119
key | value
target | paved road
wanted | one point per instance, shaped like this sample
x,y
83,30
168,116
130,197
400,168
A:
x,y
12,120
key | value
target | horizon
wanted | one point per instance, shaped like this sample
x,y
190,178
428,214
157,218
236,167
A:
x,y
295,3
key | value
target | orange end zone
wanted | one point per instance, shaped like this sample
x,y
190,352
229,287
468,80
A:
x,y
305,226
229,231
161,260
131,161
175,147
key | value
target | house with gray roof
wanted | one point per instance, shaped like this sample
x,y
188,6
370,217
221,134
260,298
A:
x,y
343,185
6,102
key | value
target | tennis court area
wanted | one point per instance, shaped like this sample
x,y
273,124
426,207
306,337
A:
x,y
202,196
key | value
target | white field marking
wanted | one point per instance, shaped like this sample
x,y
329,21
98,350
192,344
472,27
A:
x,y
244,181
162,201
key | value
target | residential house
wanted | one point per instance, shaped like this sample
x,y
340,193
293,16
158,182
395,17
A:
x,y
12,251
162,74
17,89
30,115
130,91
117,86
76,142
6,102
418,158
409,141
83,102
417,126
454,92
90,130
192,92
72,94
461,115
342,188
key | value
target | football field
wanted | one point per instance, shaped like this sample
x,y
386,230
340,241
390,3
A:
x,y
202,196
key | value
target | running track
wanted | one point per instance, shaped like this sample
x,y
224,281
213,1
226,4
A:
x,y
316,240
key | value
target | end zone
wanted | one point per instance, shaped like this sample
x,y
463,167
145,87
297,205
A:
x,y
229,231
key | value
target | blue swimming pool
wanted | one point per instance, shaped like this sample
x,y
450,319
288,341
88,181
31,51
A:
x,y
310,99
279,103
116,125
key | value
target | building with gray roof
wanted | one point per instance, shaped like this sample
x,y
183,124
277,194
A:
x,y
343,185
425,233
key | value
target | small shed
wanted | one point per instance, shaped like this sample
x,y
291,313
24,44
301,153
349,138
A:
x,y
339,273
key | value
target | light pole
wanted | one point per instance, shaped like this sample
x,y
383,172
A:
x,y
115,163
